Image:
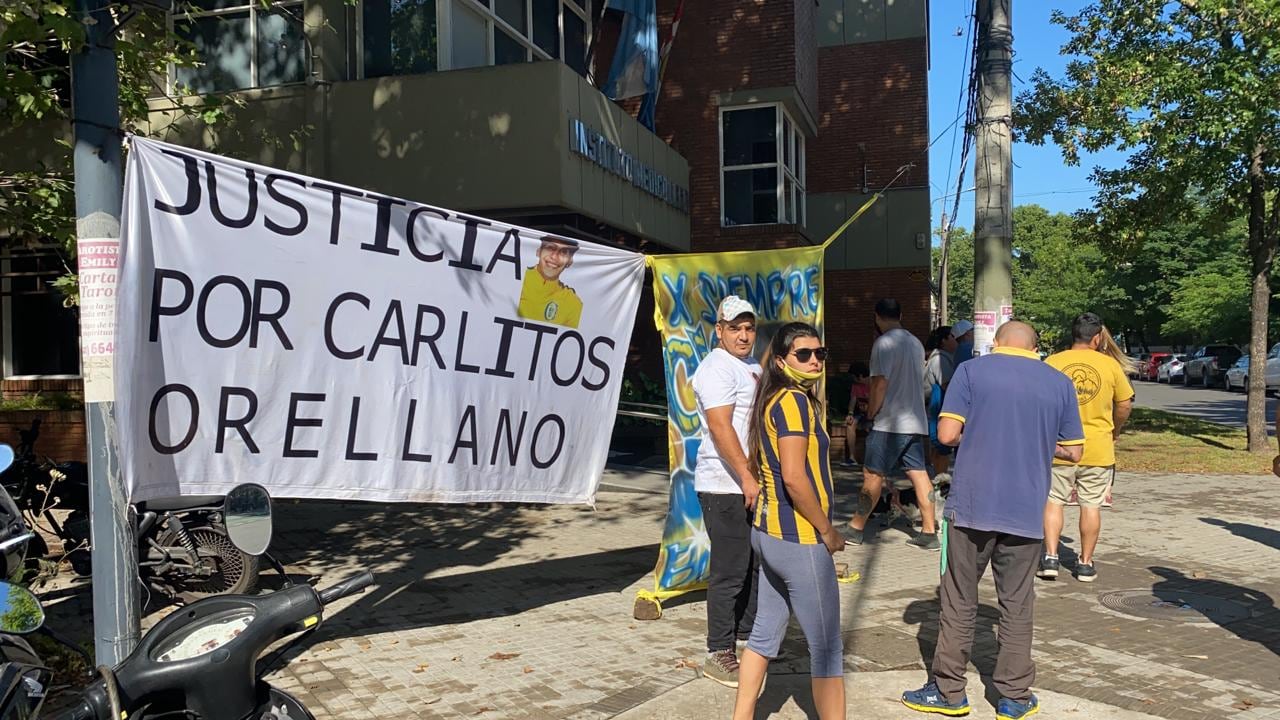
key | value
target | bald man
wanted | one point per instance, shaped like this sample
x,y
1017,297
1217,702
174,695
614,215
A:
x,y
1010,415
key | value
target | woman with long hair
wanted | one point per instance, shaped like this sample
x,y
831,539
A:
x,y
793,535
1109,347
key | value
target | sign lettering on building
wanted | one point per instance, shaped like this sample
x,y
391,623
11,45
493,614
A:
x,y
595,147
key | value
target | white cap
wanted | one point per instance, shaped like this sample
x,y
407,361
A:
x,y
733,306
961,327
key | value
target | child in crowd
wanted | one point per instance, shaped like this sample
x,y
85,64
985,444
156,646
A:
x,y
857,425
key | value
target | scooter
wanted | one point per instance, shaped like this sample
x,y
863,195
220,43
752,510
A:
x,y
184,552
198,662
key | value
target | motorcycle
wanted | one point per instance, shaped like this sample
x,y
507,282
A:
x,y
199,662
184,552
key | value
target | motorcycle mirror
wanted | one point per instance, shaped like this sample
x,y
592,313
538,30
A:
x,y
20,610
6,457
247,509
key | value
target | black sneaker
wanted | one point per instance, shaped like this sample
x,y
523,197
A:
x,y
926,541
852,535
1086,572
1048,568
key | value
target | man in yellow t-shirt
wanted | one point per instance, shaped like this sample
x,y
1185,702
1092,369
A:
x,y
1106,399
543,297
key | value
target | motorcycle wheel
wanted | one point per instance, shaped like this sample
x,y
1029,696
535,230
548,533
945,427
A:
x,y
282,706
236,574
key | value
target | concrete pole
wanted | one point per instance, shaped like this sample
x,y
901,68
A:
x,y
99,187
993,171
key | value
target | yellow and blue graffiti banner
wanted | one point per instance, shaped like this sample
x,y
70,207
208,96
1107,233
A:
x,y
783,286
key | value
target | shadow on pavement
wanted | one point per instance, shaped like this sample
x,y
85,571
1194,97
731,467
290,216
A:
x,y
1266,536
1263,624
983,655
778,689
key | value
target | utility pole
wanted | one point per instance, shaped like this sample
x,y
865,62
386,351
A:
x,y
99,188
942,272
993,171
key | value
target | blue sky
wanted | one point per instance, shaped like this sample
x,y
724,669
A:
x,y
1040,176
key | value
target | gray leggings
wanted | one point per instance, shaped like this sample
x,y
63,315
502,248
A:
x,y
799,578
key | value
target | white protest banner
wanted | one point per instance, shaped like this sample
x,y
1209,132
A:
x,y
330,342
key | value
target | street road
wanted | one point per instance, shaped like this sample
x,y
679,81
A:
x,y
1220,406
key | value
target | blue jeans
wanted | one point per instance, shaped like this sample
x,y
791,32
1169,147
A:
x,y
887,451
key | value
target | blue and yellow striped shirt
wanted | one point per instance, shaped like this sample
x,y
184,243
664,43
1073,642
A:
x,y
791,413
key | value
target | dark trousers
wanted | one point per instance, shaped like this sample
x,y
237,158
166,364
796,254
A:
x,y
1013,562
731,590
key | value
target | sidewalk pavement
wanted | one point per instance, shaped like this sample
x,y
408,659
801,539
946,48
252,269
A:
x,y
870,695
505,611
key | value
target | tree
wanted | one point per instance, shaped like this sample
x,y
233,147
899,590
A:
x,y
1189,87
959,273
1058,273
37,40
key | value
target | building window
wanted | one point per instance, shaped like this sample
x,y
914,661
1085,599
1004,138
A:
x,y
41,335
242,44
762,167
401,37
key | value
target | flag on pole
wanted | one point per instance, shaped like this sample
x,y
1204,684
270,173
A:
x,y
634,70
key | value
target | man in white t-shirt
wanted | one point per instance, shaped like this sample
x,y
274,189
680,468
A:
x,y
725,386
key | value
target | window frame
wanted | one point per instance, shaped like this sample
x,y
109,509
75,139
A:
x,y
789,139
493,25
254,7
7,359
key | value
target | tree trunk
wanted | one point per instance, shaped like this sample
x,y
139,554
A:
x,y
1262,247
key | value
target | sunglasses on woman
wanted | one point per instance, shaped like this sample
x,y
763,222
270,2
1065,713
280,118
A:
x,y
804,354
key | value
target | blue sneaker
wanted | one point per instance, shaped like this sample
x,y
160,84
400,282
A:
x,y
1012,710
928,699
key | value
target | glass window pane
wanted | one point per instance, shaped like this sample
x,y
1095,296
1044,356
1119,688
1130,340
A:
x,y
787,139
282,52
506,49
399,37
222,44
575,43
217,4
750,137
546,26
470,38
751,196
801,201
513,12
800,157
788,200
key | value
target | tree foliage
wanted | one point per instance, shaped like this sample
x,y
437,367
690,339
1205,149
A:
x,y
959,272
1189,88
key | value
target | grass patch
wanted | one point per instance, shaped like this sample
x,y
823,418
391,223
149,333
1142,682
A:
x,y
1159,441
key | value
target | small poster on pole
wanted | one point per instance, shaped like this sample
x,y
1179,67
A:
x,y
98,259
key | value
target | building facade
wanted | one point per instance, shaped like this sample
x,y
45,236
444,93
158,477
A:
x,y
776,120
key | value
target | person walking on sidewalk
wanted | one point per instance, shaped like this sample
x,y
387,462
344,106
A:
x,y
1106,399
793,534
963,333
1010,415
899,426
725,386
938,369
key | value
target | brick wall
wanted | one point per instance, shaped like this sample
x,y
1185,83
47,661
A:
x,y
850,297
12,389
61,432
875,94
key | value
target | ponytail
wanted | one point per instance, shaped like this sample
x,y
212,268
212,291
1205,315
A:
x,y
1108,346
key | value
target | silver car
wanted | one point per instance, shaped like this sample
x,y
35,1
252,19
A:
x,y
1170,371
1237,375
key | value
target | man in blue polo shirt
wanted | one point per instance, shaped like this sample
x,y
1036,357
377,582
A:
x,y
1011,415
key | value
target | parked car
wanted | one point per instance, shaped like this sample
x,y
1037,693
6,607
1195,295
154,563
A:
x,y
1147,371
1170,371
1209,364
1238,375
1139,361
1272,374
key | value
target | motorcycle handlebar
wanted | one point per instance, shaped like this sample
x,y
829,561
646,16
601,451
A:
x,y
350,586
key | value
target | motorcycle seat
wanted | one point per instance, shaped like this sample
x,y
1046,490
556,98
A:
x,y
183,502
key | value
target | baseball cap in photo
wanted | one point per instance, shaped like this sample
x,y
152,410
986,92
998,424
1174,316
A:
x,y
733,306
961,327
